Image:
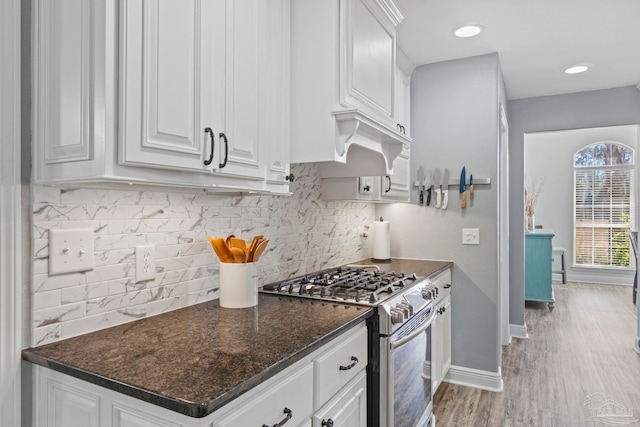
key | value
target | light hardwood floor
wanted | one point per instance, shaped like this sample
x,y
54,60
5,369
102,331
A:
x,y
583,347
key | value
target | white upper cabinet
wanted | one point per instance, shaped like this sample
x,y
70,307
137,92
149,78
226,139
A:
x,y
402,109
169,62
178,92
367,68
343,86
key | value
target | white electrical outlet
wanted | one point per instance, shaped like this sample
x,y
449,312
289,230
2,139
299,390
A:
x,y
470,236
70,250
145,263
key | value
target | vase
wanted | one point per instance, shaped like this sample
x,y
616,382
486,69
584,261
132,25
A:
x,y
531,223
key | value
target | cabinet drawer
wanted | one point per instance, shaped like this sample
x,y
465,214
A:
x,y
329,375
293,392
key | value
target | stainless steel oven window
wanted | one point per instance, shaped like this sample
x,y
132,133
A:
x,y
407,379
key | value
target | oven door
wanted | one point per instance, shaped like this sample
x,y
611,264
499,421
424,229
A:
x,y
408,383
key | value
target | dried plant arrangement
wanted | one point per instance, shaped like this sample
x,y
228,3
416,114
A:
x,y
533,188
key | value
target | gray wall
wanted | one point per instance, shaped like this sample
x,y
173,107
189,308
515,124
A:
x,y
611,107
454,117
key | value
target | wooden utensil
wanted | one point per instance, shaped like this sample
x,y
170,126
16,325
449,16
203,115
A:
x,y
238,243
228,240
259,249
252,246
221,249
239,255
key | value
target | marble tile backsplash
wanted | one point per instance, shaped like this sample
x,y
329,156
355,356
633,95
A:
x,y
306,234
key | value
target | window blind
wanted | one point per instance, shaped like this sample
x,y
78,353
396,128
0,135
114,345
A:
x,y
603,215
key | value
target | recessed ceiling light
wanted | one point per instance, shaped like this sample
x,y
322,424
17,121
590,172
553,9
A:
x,y
577,69
469,30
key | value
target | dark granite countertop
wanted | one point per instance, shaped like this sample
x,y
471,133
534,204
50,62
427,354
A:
x,y
423,268
196,359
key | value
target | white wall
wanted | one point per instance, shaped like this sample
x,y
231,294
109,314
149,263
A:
x,y
306,234
454,119
549,156
610,107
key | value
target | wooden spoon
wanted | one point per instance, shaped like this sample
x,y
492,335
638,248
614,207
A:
x,y
259,249
221,249
228,240
239,255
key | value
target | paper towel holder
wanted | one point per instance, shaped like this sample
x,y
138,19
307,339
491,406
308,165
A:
x,y
384,252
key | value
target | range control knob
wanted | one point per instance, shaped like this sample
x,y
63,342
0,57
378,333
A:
x,y
406,307
397,316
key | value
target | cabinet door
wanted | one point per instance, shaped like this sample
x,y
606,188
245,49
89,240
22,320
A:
x,y
240,144
67,406
402,105
396,187
445,330
171,75
368,59
274,90
348,408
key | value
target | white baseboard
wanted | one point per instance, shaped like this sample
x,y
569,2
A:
x,y
519,331
485,380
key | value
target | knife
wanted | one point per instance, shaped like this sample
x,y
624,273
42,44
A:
x,y
436,180
471,186
445,188
463,189
429,185
421,184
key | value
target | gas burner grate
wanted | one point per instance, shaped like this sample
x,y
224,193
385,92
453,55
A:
x,y
348,284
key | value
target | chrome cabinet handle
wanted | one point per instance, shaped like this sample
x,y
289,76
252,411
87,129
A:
x,y
388,184
289,413
354,362
210,132
226,149
328,423
289,177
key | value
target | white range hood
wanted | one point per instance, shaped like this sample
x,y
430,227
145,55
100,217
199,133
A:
x,y
343,56
362,147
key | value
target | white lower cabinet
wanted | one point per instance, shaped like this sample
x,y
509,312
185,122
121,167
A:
x,y
348,408
290,400
326,385
441,338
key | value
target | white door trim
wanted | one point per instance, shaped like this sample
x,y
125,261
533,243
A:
x,y
10,247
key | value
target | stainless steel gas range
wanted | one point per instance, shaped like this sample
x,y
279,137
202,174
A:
x,y
398,372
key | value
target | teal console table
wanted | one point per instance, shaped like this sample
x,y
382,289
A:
x,y
537,267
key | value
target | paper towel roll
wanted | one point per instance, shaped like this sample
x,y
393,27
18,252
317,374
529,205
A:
x,y
381,231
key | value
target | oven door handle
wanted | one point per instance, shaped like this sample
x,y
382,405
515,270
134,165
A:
x,y
399,343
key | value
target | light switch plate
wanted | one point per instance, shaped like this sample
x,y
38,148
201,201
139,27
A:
x,y
70,250
470,236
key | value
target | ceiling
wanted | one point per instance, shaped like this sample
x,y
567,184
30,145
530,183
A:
x,y
536,40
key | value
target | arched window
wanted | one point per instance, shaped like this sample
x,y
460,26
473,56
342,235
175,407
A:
x,y
603,204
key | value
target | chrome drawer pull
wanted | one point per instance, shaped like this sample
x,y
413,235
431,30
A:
x,y
289,413
354,361
328,423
